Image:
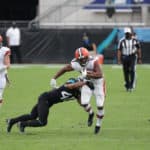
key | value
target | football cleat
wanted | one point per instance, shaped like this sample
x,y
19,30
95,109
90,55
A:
x,y
21,127
90,119
9,125
97,129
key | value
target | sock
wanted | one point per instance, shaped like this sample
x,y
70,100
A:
x,y
100,115
88,109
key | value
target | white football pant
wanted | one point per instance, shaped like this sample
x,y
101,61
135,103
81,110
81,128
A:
x,y
99,92
2,85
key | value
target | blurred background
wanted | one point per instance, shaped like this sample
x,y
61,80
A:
x,y
52,30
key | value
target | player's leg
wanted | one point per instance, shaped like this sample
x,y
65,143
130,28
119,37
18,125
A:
x,y
100,92
2,87
33,115
86,94
126,74
99,116
133,72
43,111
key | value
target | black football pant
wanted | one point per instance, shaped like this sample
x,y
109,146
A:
x,y
129,63
37,117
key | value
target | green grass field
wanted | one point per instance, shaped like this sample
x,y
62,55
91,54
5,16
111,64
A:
x,y
125,125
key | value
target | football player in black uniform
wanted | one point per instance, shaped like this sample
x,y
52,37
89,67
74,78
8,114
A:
x,y
39,113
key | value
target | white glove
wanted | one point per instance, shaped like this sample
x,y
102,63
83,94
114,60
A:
x,y
83,73
53,83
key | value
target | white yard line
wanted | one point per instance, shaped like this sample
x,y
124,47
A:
x,y
140,66
37,65
61,65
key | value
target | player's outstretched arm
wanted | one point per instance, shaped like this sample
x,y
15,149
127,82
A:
x,y
53,83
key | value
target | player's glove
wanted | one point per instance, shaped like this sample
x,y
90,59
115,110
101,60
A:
x,y
53,83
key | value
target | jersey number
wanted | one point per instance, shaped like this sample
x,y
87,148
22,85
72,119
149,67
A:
x,y
65,95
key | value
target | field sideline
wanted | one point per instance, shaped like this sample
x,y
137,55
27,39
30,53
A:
x,y
125,125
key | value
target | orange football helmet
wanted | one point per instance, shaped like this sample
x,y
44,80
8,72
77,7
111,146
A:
x,y
82,55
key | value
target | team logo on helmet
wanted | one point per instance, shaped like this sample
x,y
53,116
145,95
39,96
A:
x,y
82,55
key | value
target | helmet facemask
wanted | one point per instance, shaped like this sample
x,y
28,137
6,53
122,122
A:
x,y
83,61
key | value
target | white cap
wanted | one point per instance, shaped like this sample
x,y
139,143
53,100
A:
x,y
127,30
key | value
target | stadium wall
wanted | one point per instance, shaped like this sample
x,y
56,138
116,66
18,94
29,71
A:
x,y
58,45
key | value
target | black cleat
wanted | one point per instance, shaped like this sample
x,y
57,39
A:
x,y
90,119
9,125
21,127
97,129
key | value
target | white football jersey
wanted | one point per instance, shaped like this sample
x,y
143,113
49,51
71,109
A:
x,y
3,52
89,66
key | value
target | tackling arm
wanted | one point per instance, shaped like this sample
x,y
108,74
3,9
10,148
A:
x,y
75,85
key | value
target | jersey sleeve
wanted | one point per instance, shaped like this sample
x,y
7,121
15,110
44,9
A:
x,y
75,65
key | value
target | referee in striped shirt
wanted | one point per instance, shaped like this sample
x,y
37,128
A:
x,y
129,51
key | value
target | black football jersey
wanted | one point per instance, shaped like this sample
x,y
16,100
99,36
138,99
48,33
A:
x,y
60,95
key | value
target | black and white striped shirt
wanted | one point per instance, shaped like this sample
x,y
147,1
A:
x,y
128,46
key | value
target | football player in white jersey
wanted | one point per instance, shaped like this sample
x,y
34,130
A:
x,y
91,70
4,65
